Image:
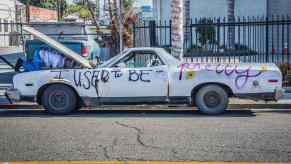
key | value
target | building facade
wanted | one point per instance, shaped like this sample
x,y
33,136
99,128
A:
x,y
218,8
278,7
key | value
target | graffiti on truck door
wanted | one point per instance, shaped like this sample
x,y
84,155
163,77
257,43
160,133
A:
x,y
241,75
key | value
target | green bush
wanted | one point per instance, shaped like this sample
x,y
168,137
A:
x,y
206,32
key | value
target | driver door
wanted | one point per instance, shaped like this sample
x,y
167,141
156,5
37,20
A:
x,y
143,77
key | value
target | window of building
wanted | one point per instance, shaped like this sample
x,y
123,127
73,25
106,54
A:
x,y
5,25
11,26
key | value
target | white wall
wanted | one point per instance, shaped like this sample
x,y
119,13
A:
x,y
207,8
7,9
251,8
218,8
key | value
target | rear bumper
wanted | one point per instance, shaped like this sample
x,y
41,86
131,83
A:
x,y
278,94
267,96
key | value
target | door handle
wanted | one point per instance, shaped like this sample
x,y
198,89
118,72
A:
x,y
159,71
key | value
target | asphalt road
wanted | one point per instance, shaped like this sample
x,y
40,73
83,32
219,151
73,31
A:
x,y
246,135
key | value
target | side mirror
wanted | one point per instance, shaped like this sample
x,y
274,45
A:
x,y
98,60
92,64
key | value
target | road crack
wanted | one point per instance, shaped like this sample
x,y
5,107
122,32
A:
x,y
139,134
175,154
105,152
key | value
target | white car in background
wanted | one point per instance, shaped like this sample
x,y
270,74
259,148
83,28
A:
x,y
145,76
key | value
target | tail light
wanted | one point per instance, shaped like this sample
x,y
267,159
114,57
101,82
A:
x,y
85,52
273,81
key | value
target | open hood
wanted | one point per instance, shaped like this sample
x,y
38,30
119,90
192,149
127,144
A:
x,y
58,46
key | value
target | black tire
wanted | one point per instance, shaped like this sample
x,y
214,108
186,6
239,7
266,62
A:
x,y
59,99
212,100
78,107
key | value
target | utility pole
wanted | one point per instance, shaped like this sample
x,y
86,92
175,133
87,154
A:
x,y
231,19
27,11
109,9
59,10
120,22
177,27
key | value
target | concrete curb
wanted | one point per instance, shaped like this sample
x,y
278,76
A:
x,y
137,162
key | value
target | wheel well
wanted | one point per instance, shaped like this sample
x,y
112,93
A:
x,y
224,86
42,89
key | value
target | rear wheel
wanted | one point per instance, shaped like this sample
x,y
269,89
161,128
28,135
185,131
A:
x,y
212,100
59,99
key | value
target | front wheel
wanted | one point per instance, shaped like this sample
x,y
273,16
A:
x,y
59,99
212,100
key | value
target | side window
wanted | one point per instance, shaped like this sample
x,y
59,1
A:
x,y
5,25
139,59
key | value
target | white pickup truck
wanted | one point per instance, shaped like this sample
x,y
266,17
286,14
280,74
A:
x,y
147,76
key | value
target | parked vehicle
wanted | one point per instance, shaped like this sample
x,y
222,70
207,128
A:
x,y
78,47
146,76
72,35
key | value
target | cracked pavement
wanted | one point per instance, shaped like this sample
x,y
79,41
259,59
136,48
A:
x,y
257,135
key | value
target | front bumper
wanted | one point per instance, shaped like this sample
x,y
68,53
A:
x,y
13,94
278,94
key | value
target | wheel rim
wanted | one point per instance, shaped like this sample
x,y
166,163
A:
x,y
58,100
212,99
